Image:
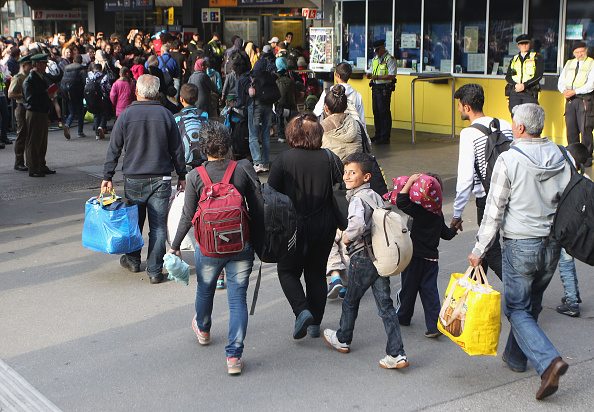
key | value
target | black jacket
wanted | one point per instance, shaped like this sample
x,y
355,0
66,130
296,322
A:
x,y
427,228
35,95
150,137
74,78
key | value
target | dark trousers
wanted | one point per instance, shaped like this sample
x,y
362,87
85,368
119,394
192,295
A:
x,y
36,148
74,102
492,257
362,276
5,117
516,99
420,276
579,120
20,143
310,259
382,116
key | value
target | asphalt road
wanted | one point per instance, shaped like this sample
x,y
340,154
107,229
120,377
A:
x,y
81,333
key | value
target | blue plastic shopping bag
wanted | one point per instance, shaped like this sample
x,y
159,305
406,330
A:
x,y
111,226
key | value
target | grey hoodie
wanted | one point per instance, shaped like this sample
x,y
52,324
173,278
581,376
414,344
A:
x,y
537,180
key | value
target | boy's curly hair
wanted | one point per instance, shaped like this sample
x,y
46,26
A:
x,y
215,140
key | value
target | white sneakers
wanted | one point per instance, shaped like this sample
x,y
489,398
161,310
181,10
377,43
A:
x,y
390,362
330,337
260,169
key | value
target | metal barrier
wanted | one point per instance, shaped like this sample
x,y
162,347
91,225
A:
x,y
433,78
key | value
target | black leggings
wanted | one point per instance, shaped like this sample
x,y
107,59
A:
x,y
310,259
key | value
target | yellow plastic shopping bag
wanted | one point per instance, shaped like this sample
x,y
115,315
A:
x,y
471,313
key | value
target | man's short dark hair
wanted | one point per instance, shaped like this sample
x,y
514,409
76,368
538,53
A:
x,y
189,92
579,152
15,52
344,70
77,59
289,32
175,44
471,94
363,160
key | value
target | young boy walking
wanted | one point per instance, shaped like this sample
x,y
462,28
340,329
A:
x,y
362,272
428,227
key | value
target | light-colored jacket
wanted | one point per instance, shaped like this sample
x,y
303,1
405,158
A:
x,y
342,135
359,217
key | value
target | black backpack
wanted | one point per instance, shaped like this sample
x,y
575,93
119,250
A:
x,y
234,57
240,138
497,143
266,89
94,97
573,224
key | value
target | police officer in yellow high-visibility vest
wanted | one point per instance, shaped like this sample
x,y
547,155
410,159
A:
x,y
523,74
577,85
382,76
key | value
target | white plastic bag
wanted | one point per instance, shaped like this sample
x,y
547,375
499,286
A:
x,y
176,205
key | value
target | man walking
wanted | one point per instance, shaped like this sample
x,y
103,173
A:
x,y
576,83
148,134
382,76
527,182
471,157
37,101
524,74
16,92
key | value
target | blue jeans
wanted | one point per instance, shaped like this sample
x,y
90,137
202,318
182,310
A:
x,y
237,269
362,276
152,196
528,266
76,109
100,120
568,277
259,113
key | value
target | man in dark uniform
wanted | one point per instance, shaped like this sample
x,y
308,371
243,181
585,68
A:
x,y
523,74
37,101
382,76
16,92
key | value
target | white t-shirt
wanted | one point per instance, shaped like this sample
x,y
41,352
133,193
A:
x,y
472,148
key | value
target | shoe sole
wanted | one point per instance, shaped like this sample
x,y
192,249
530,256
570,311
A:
x,y
569,313
433,335
341,350
398,365
333,294
67,134
195,327
553,381
234,371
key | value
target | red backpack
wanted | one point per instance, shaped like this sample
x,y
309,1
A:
x,y
221,221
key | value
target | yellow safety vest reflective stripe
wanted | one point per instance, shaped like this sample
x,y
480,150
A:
x,y
573,81
525,71
218,50
380,66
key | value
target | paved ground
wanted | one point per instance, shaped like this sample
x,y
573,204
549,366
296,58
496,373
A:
x,y
83,334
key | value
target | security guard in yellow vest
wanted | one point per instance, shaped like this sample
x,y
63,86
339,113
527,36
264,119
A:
x,y
383,78
577,85
216,51
523,75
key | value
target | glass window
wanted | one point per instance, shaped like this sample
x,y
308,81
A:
x,y
380,26
543,21
505,24
407,32
580,26
353,29
437,44
246,28
469,50
280,28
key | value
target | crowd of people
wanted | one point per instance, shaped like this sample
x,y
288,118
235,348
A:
x,y
166,98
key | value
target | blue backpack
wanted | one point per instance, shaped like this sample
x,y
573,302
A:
x,y
189,122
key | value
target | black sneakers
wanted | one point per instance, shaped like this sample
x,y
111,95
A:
x,y
569,309
125,263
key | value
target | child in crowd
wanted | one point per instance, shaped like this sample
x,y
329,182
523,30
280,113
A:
x,y
138,67
570,302
362,272
428,227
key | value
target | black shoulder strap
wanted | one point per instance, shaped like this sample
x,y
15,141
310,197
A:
x,y
483,129
364,141
564,153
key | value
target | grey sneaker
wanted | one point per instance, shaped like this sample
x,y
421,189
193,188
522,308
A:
x,y
330,337
569,309
390,362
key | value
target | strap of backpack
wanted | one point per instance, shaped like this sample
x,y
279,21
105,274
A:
x,y
364,139
486,131
229,172
256,290
566,156
204,175
368,200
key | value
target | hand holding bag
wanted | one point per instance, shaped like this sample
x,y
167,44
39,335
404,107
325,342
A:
x,y
111,226
471,313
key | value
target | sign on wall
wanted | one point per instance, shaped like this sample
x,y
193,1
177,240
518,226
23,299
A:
x,y
222,3
309,13
211,15
320,48
56,15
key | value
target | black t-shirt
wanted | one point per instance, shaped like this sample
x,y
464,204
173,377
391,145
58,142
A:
x,y
179,59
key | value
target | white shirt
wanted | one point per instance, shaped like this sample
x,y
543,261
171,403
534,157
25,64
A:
x,y
352,95
585,89
472,147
